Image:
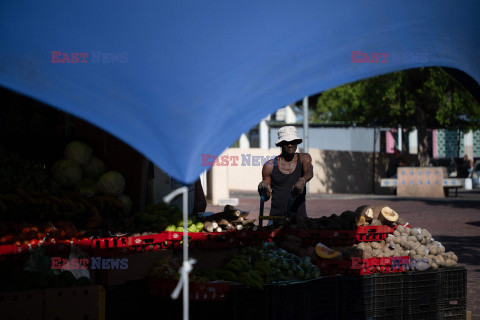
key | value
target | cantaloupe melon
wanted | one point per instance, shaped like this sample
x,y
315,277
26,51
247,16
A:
x,y
326,253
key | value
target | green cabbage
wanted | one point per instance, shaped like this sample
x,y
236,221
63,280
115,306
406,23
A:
x,y
111,182
127,203
79,152
95,168
86,188
66,172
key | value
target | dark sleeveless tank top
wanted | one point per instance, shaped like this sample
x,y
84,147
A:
x,y
282,185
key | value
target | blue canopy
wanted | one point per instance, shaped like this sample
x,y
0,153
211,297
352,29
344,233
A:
x,y
177,79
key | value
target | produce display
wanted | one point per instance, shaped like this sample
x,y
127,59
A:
x,y
162,217
82,174
416,243
424,251
48,233
156,218
251,266
229,220
349,220
256,266
69,193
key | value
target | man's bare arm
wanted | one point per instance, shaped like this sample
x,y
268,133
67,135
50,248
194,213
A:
x,y
307,167
264,187
299,186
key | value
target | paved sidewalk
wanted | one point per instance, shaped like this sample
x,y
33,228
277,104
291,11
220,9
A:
x,y
454,221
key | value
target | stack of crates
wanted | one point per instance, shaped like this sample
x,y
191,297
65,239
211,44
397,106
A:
x,y
313,299
421,294
125,300
322,299
435,294
249,303
388,298
375,296
453,293
357,297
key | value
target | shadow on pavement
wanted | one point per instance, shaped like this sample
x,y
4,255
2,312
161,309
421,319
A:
x,y
466,248
476,223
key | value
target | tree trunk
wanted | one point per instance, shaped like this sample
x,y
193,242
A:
x,y
423,147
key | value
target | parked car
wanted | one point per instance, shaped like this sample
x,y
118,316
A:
x,y
475,175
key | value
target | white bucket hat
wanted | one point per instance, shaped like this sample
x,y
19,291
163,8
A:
x,y
288,133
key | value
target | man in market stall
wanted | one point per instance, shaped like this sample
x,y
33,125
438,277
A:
x,y
287,175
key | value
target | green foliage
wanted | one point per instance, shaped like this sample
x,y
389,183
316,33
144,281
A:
x,y
425,97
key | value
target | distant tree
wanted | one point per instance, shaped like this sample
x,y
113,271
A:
x,y
425,98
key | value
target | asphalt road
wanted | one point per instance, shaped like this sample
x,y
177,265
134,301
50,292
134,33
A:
x,y
454,221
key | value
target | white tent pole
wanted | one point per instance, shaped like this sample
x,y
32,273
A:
x,y
185,253
187,264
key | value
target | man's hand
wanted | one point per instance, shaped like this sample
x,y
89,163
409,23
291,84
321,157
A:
x,y
298,187
264,189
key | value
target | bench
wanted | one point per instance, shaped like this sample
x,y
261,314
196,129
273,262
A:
x,y
448,184
423,182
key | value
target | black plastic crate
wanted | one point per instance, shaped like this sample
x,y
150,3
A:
x,y
459,313
322,299
453,304
357,297
388,293
249,303
421,289
125,301
430,313
287,301
453,284
398,315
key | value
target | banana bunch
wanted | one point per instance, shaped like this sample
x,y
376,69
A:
x,y
239,269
